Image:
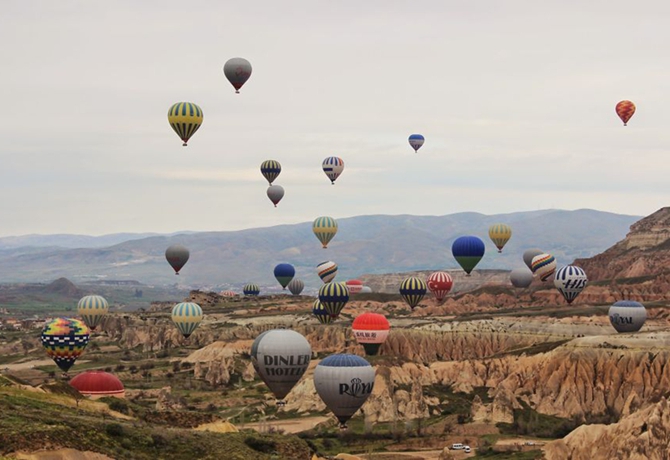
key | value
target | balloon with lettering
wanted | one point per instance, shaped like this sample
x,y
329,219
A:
x,y
333,167
344,382
627,316
321,314
324,229
354,286
544,266
275,193
92,308
625,110
284,273
64,340
416,141
327,271
185,118
296,286
251,289
333,297
440,283
177,256
521,277
187,316
280,357
570,281
237,70
371,330
468,251
500,234
413,290
270,170
528,256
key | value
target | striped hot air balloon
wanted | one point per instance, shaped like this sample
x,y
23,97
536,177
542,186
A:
x,y
270,170
440,283
228,294
371,331
416,141
185,118
325,229
468,251
296,286
92,308
544,266
412,290
570,281
333,167
321,314
251,289
187,317
500,235
327,271
64,340
334,296
625,110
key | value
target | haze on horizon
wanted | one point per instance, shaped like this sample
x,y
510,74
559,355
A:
x,y
516,101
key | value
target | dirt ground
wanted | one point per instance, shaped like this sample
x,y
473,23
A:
x,y
291,426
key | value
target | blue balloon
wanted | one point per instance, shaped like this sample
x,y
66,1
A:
x,y
468,251
284,274
416,141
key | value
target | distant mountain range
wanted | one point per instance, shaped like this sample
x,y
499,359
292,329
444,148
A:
x,y
363,245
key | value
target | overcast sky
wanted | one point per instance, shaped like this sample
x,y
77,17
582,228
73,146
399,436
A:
x,y
515,98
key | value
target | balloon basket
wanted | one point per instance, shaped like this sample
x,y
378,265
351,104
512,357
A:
x,y
281,403
343,427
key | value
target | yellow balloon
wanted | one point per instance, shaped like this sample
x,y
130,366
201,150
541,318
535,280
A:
x,y
500,235
185,118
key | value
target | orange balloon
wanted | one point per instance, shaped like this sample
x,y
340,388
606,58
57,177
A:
x,y
625,110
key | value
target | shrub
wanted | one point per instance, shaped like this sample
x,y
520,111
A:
x,y
114,429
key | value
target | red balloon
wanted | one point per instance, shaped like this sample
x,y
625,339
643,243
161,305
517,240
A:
x,y
371,330
625,110
440,283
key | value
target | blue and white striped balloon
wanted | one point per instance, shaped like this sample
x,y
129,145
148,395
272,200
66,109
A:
x,y
570,281
187,317
333,167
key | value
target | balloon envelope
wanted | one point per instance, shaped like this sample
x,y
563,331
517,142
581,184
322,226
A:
x,y
327,271
64,340
333,167
251,289
440,283
275,193
371,330
570,281
528,256
344,382
187,317
177,256
627,316
237,70
228,294
366,290
354,286
92,308
334,296
270,170
321,314
324,229
544,266
500,234
416,141
625,110
413,289
296,286
284,274
185,118
521,278
468,251
280,357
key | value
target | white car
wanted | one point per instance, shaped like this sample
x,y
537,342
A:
x,y
467,449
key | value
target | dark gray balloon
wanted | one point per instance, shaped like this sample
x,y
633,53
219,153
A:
x,y
275,193
237,71
296,286
528,256
521,278
627,316
177,256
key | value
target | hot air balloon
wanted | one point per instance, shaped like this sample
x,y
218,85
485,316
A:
x,y
625,110
627,316
354,286
521,278
440,283
237,71
177,256
528,256
321,314
270,170
187,317
371,330
416,141
333,167
284,274
325,229
570,281
275,193
64,340
296,286
251,289
544,266
228,294
366,290
344,382
333,297
327,271
98,384
468,251
92,308
413,289
185,118
280,357
500,235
